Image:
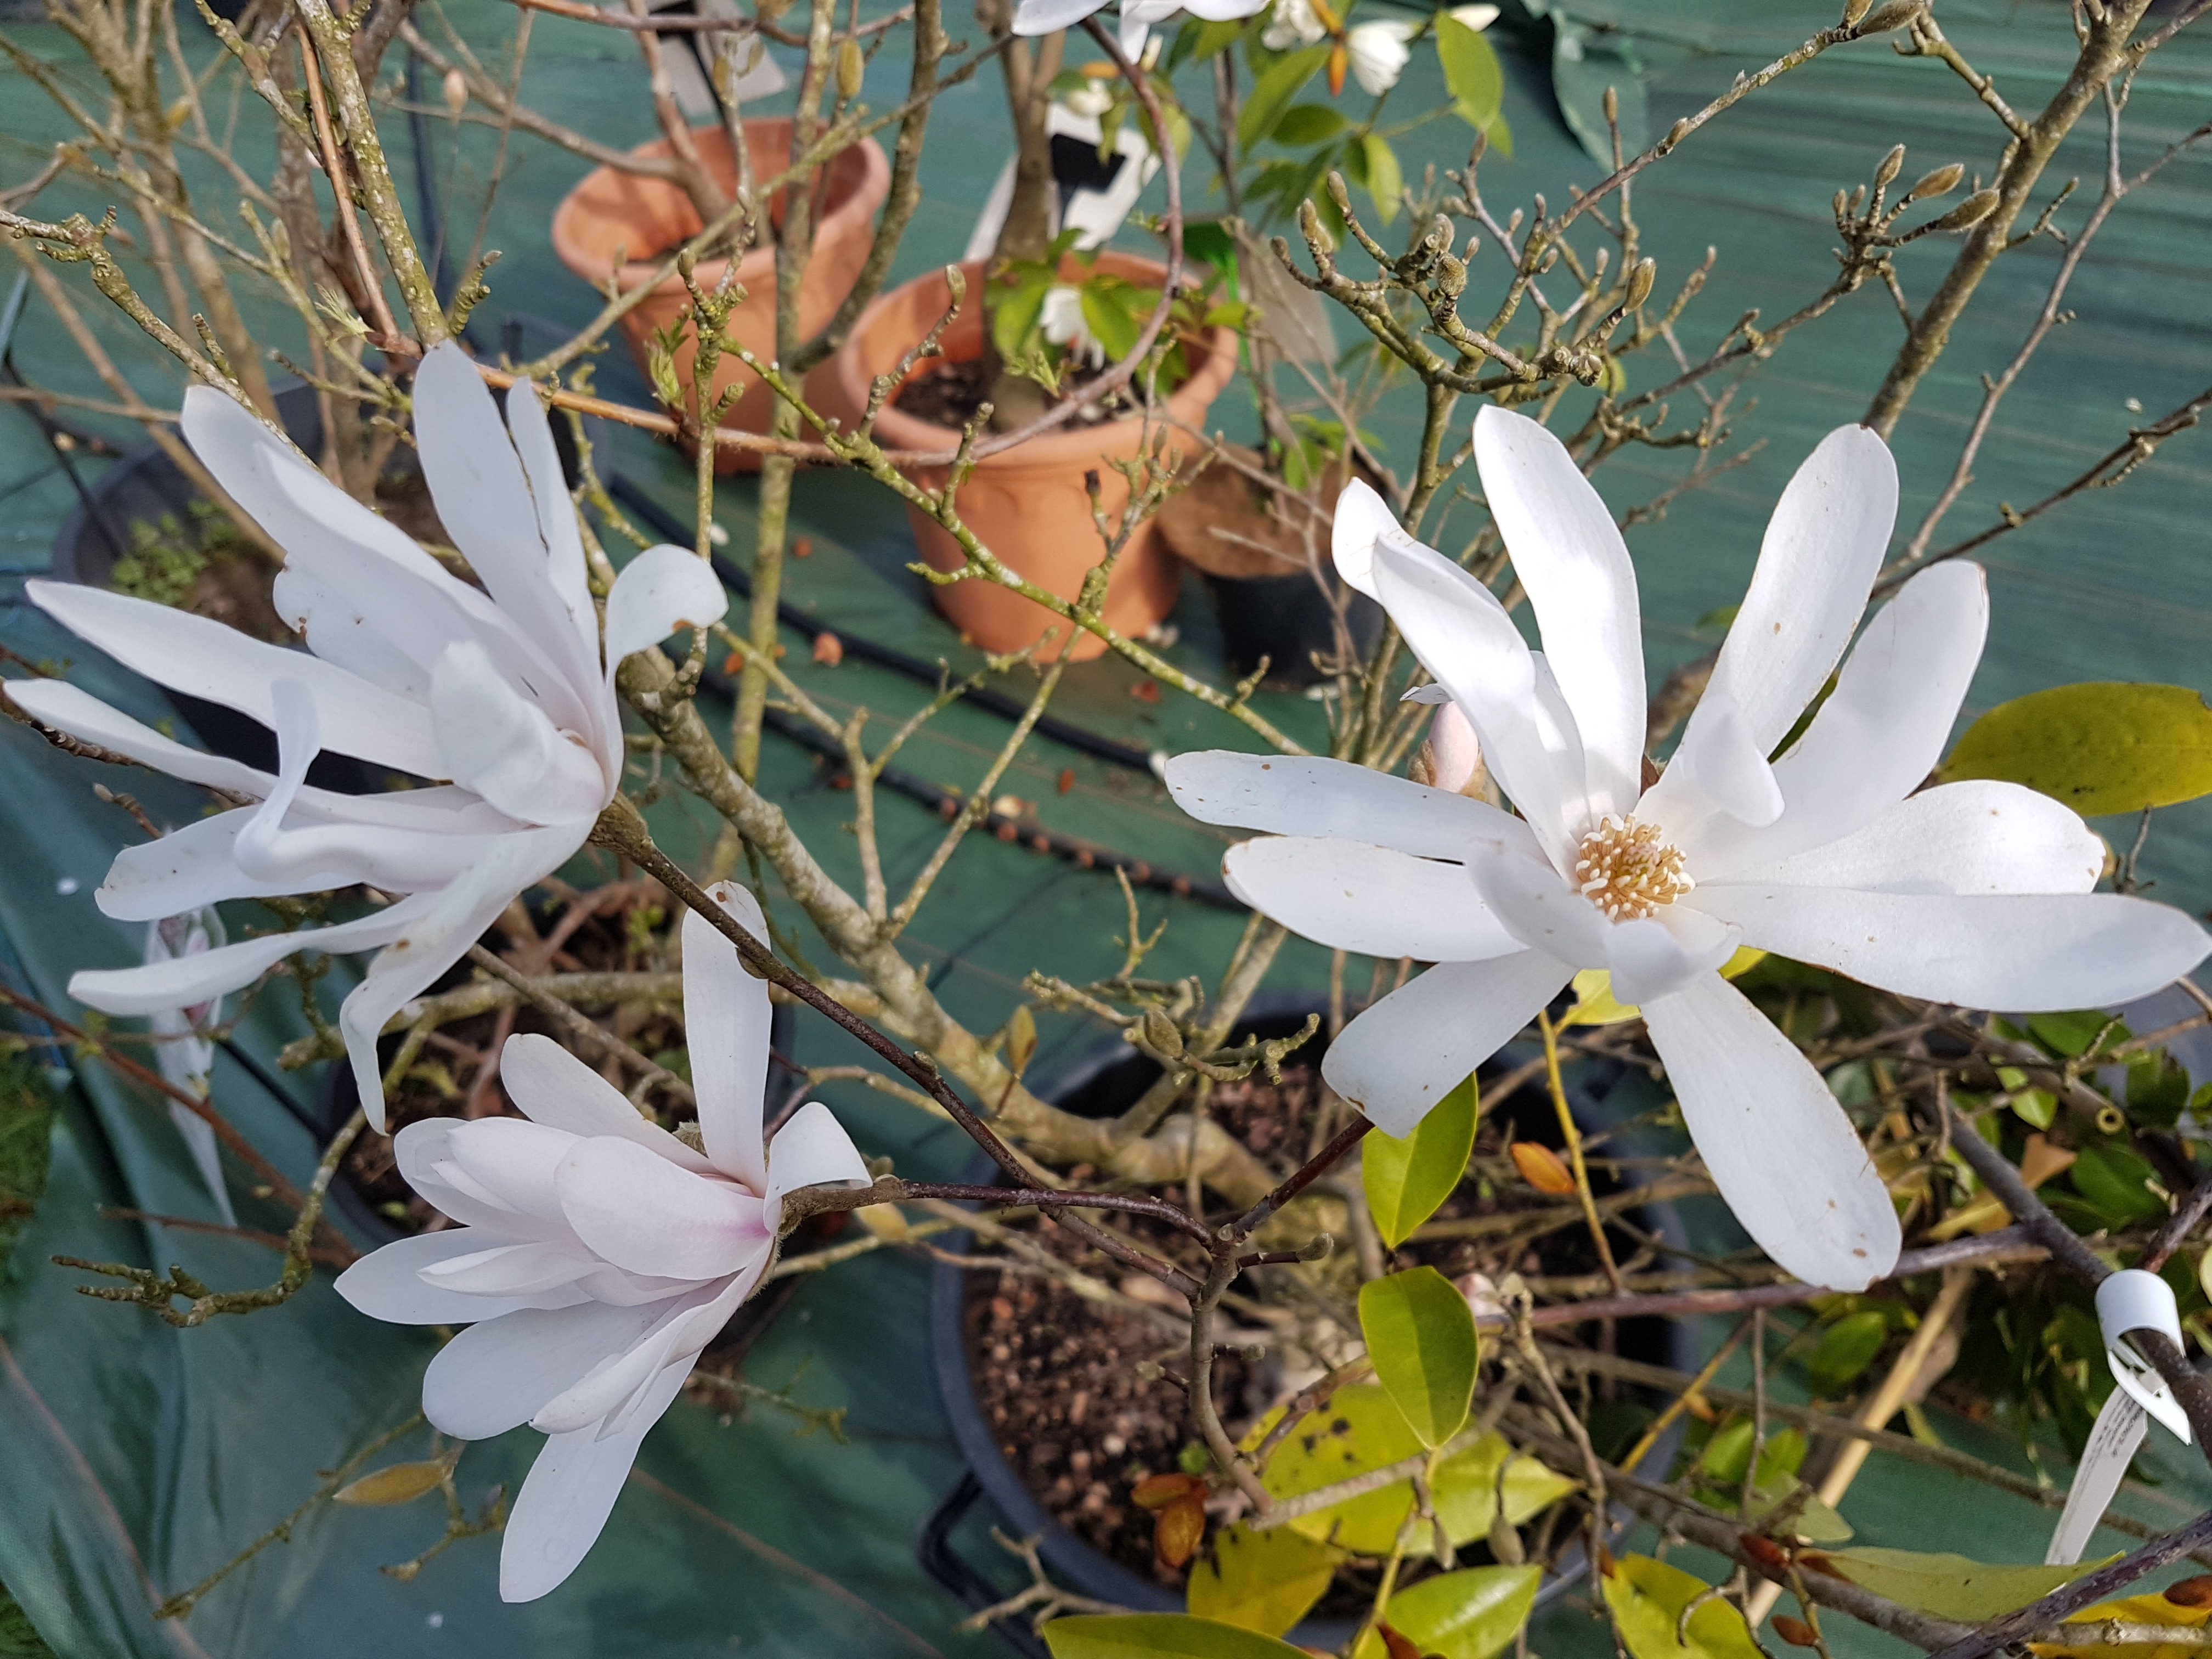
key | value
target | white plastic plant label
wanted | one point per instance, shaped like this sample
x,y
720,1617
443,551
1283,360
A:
x,y
2131,1300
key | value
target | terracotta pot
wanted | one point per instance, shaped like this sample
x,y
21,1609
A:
x,y
1027,505
614,215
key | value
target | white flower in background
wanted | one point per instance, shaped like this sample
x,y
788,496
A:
x,y
597,1253
1138,16
1060,318
1379,54
1293,24
186,1059
1089,101
501,690
1477,18
1975,894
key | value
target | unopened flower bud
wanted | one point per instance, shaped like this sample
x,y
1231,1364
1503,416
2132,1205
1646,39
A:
x,y
1161,1036
1641,275
850,68
1505,1542
1439,239
1853,10
1314,232
1942,182
1612,106
1971,211
1892,164
1678,132
1317,1248
1451,276
456,89
1338,194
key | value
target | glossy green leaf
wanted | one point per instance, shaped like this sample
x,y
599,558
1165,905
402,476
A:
x,y
1127,1634
1308,124
1420,1336
1473,73
1947,1586
1845,1349
1408,1180
2158,1090
1471,1614
1647,1597
2117,1182
1384,178
2073,1032
2104,746
1259,1580
1282,81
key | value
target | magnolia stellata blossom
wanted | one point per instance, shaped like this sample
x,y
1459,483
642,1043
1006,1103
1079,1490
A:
x,y
1378,53
1292,23
1296,23
502,696
1061,318
1138,16
1971,893
597,1253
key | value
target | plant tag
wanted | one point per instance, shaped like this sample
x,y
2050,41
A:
x,y
2130,1300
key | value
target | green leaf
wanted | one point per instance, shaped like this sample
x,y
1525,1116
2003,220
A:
x,y
1420,1336
1259,1580
1197,40
1947,1586
1459,1615
2158,1090
1014,311
1472,72
1408,1180
2070,1034
1647,1598
1282,81
1501,137
1384,178
1307,124
1127,1634
1106,316
1846,1348
2104,746
2117,1182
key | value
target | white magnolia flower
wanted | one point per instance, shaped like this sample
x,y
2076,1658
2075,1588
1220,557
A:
x,y
1293,25
1976,894
501,694
597,1253
1379,54
186,1059
1138,16
1061,318
1477,18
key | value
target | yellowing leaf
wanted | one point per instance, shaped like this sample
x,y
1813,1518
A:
x,y
402,1483
1136,1635
2102,747
1647,1597
1946,1586
1408,1180
1595,1004
1461,1615
1420,1336
1260,1581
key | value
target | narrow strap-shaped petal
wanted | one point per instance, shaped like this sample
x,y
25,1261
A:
x,y
1402,1056
1540,908
811,1149
1312,795
605,1398
203,658
497,1375
1050,16
1363,521
1776,1143
1352,895
501,745
1582,585
71,709
388,1283
645,1215
540,456
1721,767
660,591
516,1163
1655,955
553,1087
186,868
529,1268
2019,953
725,1023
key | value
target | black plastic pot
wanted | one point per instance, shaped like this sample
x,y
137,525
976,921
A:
x,y
1285,620
144,485
1103,1082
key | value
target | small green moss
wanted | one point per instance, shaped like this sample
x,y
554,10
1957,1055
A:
x,y
18,1639
27,1116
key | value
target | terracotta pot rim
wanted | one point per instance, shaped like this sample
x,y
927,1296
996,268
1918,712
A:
x,y
1048,450
856,207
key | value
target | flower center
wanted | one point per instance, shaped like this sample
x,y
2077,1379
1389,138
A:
x,y
1624,869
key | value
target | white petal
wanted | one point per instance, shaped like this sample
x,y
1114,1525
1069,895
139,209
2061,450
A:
x,y
1775,1142
494,1376
1720,767
1662,953
1457,751
343,630
726,1012
437,929
1975,837
501,745
554,1088
1353,897
388,1283
571,1491
527,1269
71,709
1050,16
540,456
662,590
187,868
203,658
1407,1052
1881,732
1570,558
1134,32
645,1215
811,1150
1822,550
1362,520
182,981
1536,905
198,1136
1310,795
604,1399
1458,629
514,1161
2023,954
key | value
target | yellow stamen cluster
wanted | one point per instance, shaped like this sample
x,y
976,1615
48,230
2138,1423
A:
x,y
1624,869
